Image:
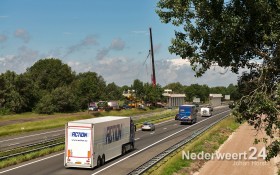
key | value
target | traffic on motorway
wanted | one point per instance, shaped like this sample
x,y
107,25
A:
x,y
165,135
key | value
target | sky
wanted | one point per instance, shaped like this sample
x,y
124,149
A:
x,y
108,37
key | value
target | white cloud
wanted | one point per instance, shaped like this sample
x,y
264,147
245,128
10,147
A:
x,y
22,34
24,58
124,70
90,40
117,44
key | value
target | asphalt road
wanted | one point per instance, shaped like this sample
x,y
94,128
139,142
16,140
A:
x,y
148,144
10,142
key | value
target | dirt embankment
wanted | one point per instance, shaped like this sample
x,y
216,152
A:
x,y
241,144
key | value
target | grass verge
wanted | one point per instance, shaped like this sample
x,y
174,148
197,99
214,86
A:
x,y
18,159
208,142
55,122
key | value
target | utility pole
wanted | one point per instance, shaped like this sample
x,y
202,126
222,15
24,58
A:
x,y
153,63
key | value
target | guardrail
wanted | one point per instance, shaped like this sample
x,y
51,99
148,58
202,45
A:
x,y
37,147
144,167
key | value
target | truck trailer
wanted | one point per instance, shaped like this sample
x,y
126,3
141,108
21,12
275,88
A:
x,y
92,142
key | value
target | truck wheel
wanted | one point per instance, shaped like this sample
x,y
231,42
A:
x,y
98,161
131,146
103,160
123,150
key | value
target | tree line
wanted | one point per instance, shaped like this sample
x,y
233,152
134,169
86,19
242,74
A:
x,y
51,86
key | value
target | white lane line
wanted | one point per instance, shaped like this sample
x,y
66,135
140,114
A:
x,y
31,135
137,139
152,132
143,149
1,172
164,128
14,144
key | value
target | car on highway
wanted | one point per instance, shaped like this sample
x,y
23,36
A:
x,y
205,112
148,126
196,105
177,117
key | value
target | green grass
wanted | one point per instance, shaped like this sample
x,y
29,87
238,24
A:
x,y
207,142
56,120
29,156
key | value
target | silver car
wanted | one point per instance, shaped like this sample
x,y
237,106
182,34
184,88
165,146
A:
x,y
148,126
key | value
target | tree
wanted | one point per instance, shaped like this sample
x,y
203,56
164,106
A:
x,y
152,94
196,90
234,34
138,87
175,87
50,73
89,87
62,99
113,92
16,92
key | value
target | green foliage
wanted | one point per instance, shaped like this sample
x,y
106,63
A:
x,y
62,99
177,87
113,92
234,34
152,94
50,73
89,87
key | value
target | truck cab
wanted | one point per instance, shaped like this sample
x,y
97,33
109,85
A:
x,y
187,114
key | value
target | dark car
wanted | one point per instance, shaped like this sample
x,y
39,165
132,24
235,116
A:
x,y
196,105
210,108
125,107
177,117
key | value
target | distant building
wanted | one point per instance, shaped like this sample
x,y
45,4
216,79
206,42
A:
x,y
227,97
215,99
175,99
196,100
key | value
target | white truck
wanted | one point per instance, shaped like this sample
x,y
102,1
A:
x,y
205,112
92,142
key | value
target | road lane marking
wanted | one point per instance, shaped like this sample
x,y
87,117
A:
x,y
136,139
143,149
31,135
164,128
152,132
1,172
14,144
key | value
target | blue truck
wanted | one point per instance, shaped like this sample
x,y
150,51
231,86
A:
x,y
187,114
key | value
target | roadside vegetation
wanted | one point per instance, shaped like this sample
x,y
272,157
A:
x,y
208,142
21,123
22,158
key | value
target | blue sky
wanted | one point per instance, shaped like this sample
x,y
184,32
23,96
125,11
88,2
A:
x,y
108,37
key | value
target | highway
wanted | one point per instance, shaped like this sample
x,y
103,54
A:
x,y
148,144
10,142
